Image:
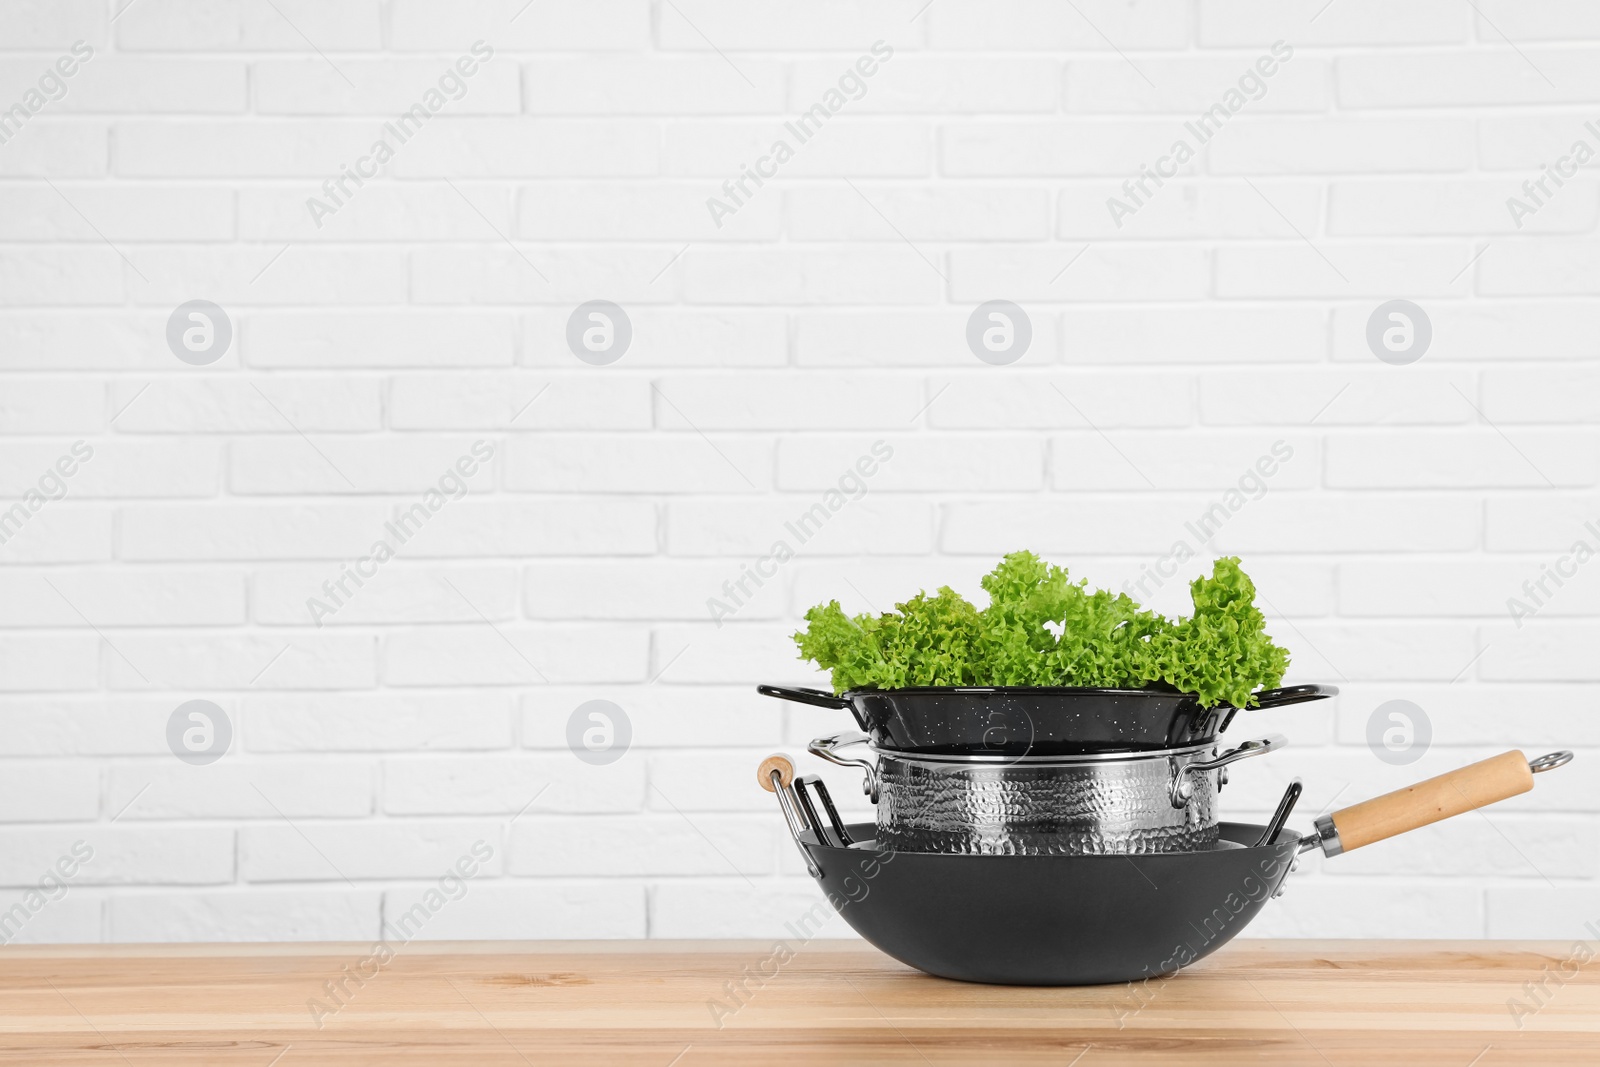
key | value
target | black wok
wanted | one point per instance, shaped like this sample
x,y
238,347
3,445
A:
x,y
1092,919
1020,721
1052,920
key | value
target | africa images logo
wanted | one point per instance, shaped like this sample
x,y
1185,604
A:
x,y
451,85
802,129
1251,85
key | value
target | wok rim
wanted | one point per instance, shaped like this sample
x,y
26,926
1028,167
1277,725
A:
x,y
864,841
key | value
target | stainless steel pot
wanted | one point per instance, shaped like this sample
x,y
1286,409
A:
x,y
1120,802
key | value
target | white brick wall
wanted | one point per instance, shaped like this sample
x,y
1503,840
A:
x,y
428,716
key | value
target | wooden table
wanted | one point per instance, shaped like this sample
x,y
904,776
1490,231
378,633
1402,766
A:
x,y
657,1003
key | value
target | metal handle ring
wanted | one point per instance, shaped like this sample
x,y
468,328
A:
x,y
1550,761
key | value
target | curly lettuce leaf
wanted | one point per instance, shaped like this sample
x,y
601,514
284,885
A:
x,y
1222,652
925,641
1042,629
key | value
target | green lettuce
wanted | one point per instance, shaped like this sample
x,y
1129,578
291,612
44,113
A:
x,y
1042,629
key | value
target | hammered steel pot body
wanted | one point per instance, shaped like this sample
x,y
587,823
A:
x,y
1116,803
1107,806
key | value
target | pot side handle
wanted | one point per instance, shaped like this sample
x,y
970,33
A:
x,y
1474,786
814,697
1293,694
828,748
776,775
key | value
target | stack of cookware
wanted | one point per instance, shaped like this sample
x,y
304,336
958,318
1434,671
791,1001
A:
x,y
1068,836
1026,772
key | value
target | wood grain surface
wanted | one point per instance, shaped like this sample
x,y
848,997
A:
x,y
657,1003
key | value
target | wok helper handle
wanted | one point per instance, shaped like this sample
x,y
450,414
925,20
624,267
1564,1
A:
x,y
1474,786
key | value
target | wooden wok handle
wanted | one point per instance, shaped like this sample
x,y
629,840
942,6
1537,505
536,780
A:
x,y
1474,786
